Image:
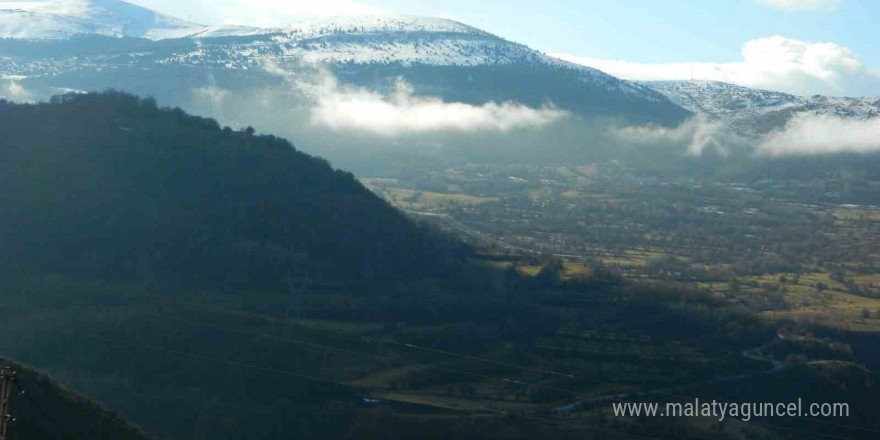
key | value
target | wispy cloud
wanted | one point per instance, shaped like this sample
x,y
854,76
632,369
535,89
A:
x,y
695,134
14,91
811,134
801,5
775,63
215,96
400,111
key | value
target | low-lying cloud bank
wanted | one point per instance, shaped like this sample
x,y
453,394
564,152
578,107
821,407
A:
x,y
696,134
318,110
327,116
812,134
400,111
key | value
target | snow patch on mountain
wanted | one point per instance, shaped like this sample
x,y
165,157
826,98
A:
x,y
378,23
62,19
758,112
417,40
384,39
405,39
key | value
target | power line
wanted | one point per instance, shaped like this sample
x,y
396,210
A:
x,y
223,361
64,433
406,345
516,382
350,385
324,380
61,430
475,358
6,378
377,356
33,402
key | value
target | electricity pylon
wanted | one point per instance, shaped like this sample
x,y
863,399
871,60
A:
x,y
7,376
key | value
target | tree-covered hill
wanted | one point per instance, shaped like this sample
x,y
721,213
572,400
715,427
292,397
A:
x,y
45,409
111,185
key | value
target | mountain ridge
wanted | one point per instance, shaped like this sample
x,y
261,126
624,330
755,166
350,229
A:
x,y
756,112
371,49
62,19
374,40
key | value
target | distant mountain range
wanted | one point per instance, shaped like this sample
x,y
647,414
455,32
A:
x,y
756,112
63,45
69,45
63,19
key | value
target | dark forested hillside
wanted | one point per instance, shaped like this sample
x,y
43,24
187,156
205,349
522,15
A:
x,y
44,409
110,185
210,283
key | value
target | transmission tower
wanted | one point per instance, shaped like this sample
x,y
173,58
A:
x,y
294,299
7,376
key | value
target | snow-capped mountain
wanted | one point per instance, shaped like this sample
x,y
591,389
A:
x,y
63,44
95,44
756,112
415,40
400,38
61,19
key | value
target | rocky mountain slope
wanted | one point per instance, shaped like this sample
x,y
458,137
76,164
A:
x,y
63,45
756,112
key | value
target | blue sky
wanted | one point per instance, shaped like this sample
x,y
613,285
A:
x,y
659,30
799,46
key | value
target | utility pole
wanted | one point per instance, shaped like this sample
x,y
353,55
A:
x,y
7,376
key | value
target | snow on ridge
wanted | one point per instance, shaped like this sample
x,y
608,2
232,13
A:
x,y
231,31
382,38
711,92
405,39
411,40
374,23
747,110
62,19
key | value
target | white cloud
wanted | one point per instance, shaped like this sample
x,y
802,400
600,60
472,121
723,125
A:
x,y
775,63
812,134
14,91
401,112
696,134
800,5
215,96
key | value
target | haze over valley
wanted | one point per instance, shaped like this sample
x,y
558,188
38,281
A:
x,y
363,223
